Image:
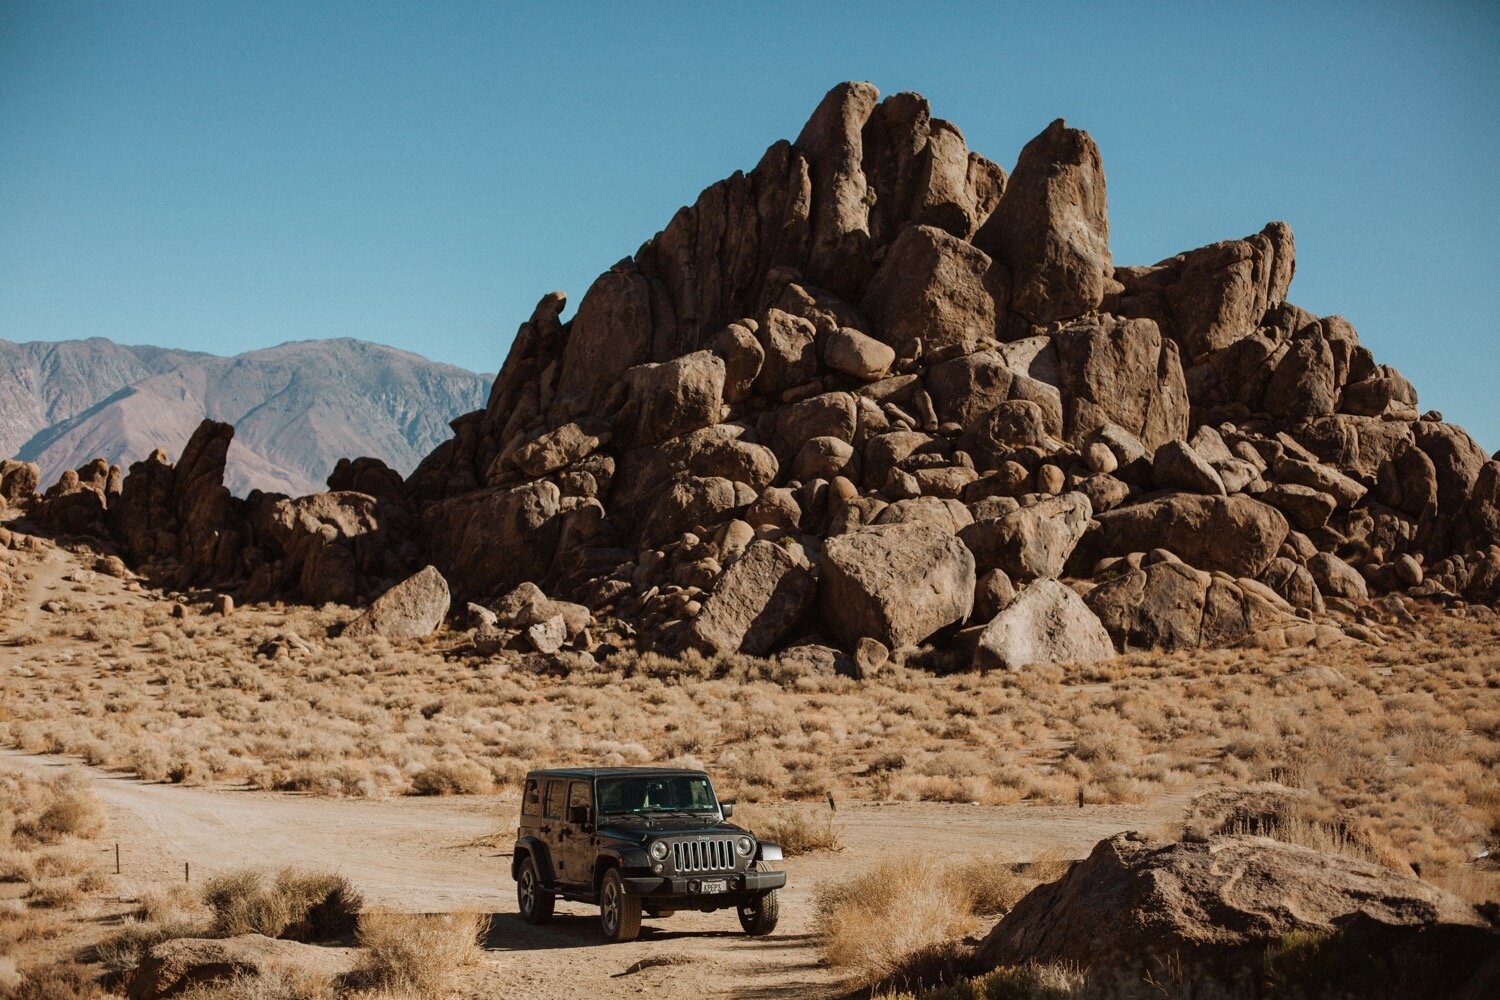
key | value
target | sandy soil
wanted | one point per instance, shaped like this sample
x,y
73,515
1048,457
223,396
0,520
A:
x,y
434,855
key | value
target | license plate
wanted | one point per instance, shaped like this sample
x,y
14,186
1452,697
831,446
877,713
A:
x,y
714,885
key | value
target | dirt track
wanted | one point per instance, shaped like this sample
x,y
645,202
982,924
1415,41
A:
x,y
432,855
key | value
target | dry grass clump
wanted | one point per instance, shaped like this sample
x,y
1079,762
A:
x,y
273,984
452,777
418,955
298,905
57,981
798,829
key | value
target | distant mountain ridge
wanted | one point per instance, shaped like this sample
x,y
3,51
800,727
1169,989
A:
x,y
297,407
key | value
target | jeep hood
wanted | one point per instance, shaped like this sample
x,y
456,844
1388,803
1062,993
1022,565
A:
x,y
642,827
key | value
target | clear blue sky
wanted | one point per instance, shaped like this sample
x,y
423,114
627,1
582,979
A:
x,y
227,176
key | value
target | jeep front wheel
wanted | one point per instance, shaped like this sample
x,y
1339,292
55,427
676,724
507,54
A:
x,y
619,912
758,917
535,902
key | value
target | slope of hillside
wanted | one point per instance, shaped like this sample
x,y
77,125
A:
x,y
299,407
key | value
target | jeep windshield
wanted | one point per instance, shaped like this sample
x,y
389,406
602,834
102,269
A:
x,y
681,793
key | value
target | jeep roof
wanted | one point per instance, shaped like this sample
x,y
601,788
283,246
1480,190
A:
x,y
608,772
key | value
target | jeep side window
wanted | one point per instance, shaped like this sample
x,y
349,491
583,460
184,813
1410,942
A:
x,y
556,790
531,805
578,795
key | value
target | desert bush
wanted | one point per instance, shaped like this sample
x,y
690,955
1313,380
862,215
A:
x,y
298,905
122,951
418,954
274,984
798,829
452,777
61,981
873,922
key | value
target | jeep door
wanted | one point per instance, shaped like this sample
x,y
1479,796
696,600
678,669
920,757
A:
x,y
575,838
551,829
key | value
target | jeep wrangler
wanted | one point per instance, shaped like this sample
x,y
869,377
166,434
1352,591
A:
x,y
634,839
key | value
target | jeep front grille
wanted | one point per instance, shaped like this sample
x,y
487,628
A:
x,y
715,855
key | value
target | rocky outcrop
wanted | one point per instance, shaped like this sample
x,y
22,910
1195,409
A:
x,y
1135,898
861,388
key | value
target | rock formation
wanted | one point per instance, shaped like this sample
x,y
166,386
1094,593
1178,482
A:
x,y
1226,897
867,390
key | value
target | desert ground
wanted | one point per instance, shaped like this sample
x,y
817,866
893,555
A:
x,y
209,745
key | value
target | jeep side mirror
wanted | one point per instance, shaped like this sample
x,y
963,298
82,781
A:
x,y
728,809
578,815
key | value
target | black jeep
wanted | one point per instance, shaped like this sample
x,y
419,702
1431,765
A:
x,y
634,838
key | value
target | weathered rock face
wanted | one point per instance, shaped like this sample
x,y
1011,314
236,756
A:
x,y
1133,898
879,355
1046,623
898,583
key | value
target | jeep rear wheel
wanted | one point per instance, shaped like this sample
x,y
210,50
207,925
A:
x,y
619,912
759,915
535,902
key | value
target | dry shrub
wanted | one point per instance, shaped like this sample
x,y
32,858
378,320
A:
x,y
871,923
298,905
799,830
1030,982
62,981
123,950
419,954
452,777
275,984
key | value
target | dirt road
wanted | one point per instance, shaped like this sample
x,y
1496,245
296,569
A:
x,y
432,855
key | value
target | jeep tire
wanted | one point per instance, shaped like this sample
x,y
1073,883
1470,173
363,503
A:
x,y
619,912
535,902
758,916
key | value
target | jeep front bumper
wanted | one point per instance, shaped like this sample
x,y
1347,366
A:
x,y
750,883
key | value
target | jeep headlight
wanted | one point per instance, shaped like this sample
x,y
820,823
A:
x,y
659,850
745,846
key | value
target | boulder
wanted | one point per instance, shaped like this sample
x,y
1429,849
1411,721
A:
x,y
490,540
1046,623
19,481
528,605
670,399
754,604
1307,509
1051,229
411,609
1215,296
789,346
897,583
1336,578
1033,541
1176,466
849,351
933,291
1235,534
743,357
1168,605
556,449
1135,897
1121,372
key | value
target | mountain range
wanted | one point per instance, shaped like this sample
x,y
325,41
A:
x,y
297,408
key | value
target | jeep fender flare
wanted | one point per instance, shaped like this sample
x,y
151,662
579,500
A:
x,y
618,857
532,847
767,850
